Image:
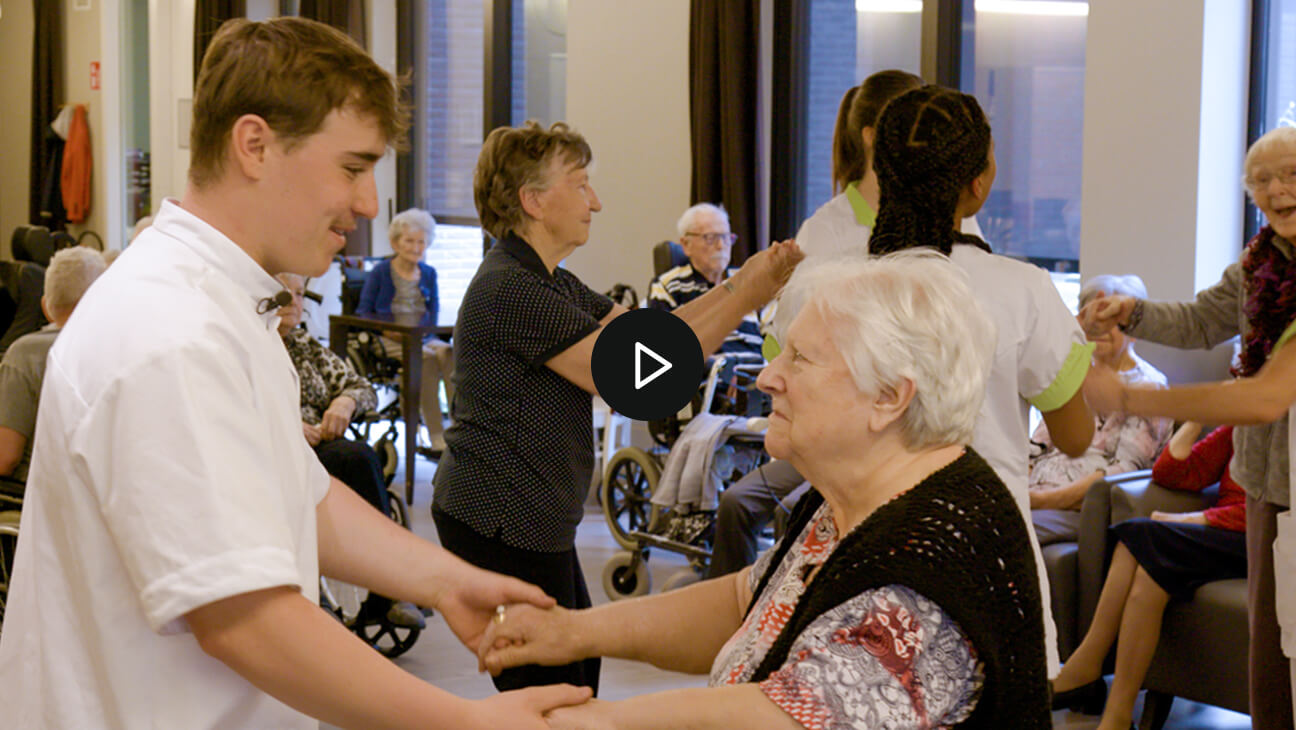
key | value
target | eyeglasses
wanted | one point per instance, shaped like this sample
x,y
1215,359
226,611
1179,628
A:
x,y
1261,180
713,239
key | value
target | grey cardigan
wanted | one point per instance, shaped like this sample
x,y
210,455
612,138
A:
x,y
1259,452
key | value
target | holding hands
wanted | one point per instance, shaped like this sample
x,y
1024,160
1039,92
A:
x,y
763,275
1104,313
524,634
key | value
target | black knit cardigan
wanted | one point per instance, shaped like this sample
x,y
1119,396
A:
x,y
957,538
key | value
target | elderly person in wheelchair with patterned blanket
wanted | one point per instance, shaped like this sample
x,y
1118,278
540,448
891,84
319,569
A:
x,y
903,595
332,395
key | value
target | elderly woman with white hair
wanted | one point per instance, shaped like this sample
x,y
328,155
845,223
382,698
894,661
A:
x,y
1255,298
903,594
404,284
1121,443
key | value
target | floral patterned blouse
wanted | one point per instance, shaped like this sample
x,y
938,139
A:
x,y
325,376
1121,442
888,657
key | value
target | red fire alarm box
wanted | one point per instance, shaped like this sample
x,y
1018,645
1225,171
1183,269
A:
x,y
94,75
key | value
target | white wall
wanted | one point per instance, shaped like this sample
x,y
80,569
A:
x,y
171,81
627,92
1163,143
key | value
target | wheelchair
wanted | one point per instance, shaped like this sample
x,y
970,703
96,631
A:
x,y
632,475
347,602
10,509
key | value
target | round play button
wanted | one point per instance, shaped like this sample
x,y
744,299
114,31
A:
x,y
647,364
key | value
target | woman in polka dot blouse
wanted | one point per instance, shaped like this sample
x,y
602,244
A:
x,y
510,490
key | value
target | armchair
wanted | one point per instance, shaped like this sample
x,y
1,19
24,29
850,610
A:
x,y
1202,654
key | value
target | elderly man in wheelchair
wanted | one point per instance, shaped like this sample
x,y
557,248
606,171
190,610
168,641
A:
x,y
22,370
668,498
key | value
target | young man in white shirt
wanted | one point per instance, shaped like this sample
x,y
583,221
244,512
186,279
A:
x,y
176,521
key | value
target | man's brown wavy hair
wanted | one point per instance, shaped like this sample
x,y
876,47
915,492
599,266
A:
x,y
291,72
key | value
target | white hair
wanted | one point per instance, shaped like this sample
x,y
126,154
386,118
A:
x,y
70,273
685,221
909,315
1276,141
408,220
1130,285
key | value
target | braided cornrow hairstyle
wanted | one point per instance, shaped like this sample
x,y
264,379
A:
x,y
931,142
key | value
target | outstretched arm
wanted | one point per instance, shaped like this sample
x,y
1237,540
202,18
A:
x,y
742,705
711,316
1262,398
289,648
359,545
682,630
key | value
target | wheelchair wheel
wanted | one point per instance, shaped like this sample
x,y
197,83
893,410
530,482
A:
x,y
680,578
626,576
343,600
632,476
387,457
389,639
396,508
8,542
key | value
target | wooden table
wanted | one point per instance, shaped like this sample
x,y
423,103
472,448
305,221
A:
x,y
412,329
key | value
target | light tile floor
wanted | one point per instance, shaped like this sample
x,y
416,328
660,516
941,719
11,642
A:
x,y
439,658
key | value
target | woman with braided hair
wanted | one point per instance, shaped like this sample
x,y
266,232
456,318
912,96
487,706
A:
x,y
1255,298
935,163
844,222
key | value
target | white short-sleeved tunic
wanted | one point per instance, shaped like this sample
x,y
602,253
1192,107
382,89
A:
x,y
169,472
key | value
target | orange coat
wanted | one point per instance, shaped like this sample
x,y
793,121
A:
x,y
77,163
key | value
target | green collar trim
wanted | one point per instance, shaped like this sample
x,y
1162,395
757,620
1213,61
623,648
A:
x,y
864,213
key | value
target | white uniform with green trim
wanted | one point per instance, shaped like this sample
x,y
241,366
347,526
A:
x,y
844,224
1041,358
1284,549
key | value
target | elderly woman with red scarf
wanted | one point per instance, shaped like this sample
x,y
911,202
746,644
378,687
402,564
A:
x,y
1255,298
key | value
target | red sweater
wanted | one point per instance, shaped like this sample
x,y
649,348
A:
x,y
1206,464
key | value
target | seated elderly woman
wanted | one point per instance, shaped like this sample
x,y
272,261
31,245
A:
x,y
1121,443
903,594
1167,557
332,394
404,284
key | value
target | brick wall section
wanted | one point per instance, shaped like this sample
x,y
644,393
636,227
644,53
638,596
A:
x,y
832,72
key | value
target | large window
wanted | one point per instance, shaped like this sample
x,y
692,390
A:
x,y
450,74
1024,60
1027,70
1273,74
849,39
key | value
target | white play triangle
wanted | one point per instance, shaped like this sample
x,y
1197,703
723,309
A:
x,y
640,351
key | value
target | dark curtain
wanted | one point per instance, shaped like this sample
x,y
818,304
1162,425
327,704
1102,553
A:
x,y
208,17
47,95
724,48
345,15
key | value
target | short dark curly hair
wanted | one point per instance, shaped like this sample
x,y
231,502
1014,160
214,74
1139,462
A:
x,y
513,158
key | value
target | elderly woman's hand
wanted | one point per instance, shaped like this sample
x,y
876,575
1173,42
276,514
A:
x,y
1105,313
1186,518
338,416
524,634
763,275
312,433
593,715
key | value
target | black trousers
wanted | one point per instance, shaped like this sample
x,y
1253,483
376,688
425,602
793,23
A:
x,y
356,465
558,574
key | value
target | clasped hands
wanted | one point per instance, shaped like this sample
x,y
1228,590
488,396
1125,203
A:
x,y
522,634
